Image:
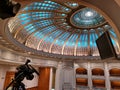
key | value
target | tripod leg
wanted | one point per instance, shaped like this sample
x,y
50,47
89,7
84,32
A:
x,y
14,88
18,86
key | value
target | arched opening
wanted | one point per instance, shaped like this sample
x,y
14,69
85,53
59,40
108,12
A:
x,y
98,71
114,72
115,85
81,71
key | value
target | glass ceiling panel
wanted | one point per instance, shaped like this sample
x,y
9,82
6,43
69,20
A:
x,y
72,40
113,33
113,41
92,39
45,5
40,15
42,6
54,25
44,31
100,30
52,36
72,5
83,40
60,41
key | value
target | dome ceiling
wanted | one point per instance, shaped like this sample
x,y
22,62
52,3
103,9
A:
x,y
60,28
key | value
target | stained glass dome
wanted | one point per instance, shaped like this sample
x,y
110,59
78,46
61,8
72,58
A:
x,y
60,28
86,18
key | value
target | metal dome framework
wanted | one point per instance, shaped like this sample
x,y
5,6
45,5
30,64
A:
x,y
52,27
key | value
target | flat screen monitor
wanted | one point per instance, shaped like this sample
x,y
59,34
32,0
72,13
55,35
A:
x,y
105,46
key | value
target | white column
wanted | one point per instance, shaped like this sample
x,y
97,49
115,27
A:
x,y
68,75
59,77
74,85
90,85
51,76
107,79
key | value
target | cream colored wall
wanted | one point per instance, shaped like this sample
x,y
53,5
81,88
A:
x,y
31,83
3,70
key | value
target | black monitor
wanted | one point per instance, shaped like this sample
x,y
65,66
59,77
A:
x,y
105,46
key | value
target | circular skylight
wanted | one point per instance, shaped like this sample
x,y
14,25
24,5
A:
x,y
86,18
89,14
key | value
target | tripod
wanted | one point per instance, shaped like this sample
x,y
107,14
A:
x,y
18,86
23,71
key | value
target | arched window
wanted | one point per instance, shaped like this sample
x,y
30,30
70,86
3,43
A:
x,y
115,85
98,71
81,71
114,72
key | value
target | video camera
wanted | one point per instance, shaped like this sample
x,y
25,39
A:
x,y
23,71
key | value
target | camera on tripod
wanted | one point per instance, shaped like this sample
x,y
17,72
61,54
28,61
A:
x,y
23,71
